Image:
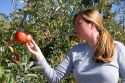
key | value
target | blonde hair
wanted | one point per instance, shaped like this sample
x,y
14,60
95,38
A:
x,y
105,47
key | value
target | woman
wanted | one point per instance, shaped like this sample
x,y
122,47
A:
x,y
99,60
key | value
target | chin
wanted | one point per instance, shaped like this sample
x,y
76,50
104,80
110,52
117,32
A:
x,y
79,40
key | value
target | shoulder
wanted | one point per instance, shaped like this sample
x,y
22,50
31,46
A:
x,y
120,48
119,45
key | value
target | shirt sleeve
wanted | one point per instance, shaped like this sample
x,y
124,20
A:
x,y
121,62
58,73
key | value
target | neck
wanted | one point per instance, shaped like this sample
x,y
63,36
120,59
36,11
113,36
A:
x,y
93,41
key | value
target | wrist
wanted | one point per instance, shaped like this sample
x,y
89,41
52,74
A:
x,y
40,57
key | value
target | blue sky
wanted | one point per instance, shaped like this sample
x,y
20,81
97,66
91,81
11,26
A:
x,y
7,7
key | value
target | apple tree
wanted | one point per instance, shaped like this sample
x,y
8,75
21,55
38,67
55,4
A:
x,y
50,22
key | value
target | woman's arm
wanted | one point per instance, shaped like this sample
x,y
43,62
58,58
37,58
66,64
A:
x,y
52,75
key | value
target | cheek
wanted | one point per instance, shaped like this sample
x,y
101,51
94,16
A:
x,y
80,34
84,32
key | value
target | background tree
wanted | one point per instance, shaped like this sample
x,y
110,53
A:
x,y
50,22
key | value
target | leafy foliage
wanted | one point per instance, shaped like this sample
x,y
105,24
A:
x,y
50,22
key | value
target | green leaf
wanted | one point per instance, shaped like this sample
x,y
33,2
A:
x,y
10,79
35,68
1,71
11,48
57,9
30,64
20,66
31,75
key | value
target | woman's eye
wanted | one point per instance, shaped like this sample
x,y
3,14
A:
x,y
79,23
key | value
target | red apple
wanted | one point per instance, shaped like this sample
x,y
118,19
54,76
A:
x,y
29,38
21,37
15,58
107,17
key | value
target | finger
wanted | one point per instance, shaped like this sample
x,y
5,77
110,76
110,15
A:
x,y
36,46
31,45
33,42
30,49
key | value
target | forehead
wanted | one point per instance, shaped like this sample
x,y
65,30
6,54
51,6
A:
x,y
79,18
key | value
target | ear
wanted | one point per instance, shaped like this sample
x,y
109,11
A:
x,y
93,26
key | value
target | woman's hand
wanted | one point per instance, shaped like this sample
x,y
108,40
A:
x,y
35,50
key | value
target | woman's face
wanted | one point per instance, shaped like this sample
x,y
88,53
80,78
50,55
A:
x,y
82,28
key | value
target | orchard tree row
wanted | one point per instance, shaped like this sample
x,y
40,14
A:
x,y
50,23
